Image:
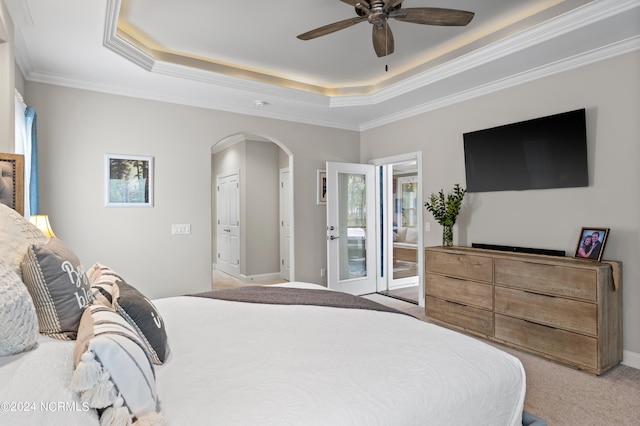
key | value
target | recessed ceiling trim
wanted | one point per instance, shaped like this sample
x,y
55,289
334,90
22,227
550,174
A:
x,y
553,28
196,74
577,61
119,45
119,39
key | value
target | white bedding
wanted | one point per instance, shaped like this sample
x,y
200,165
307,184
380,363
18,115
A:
x,y
242,363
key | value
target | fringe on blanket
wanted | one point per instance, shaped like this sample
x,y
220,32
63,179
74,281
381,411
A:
x,y
95,387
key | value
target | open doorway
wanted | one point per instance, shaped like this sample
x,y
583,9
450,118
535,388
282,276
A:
x,y
262,251
400,217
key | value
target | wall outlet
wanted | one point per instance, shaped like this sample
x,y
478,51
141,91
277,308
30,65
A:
x,y
180,229
323,272
427,226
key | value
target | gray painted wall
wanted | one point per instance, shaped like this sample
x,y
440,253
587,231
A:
x,y
77,127
610,92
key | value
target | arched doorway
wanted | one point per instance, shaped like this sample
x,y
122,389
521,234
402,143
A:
x,y
254,173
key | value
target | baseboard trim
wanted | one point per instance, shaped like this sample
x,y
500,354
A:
x,y
631,359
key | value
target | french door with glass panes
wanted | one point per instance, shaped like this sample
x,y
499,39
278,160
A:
x,y
351,236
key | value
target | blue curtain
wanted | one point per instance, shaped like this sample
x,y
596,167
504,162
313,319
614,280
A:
x,y
30,118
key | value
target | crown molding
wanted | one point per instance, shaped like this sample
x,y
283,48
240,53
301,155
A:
x,y
548,30
577,61
119,45
297,100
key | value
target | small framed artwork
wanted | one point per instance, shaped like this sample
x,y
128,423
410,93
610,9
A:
x,y
591,243
128,181
321,187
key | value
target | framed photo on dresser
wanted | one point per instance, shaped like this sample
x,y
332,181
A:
x,y
591,243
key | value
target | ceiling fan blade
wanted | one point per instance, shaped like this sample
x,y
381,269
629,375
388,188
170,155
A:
x,y
383,40
328,29
433,16
390,4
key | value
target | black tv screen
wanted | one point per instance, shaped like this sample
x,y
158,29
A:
x,y
547,152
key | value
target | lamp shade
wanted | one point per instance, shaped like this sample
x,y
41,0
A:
x,y
42,222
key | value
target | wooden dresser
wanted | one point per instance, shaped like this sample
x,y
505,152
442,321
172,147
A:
x,y
564,309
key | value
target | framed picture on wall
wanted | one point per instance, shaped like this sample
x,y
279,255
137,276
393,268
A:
x,y
128,181
591,243
321,187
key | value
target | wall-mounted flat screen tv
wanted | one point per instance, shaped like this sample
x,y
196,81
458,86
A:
x,y
547,152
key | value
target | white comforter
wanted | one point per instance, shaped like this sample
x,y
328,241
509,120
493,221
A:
x,y
253,364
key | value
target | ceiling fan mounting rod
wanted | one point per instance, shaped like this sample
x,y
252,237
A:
x,y
377,16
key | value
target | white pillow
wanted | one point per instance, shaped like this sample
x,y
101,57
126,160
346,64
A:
x,y
402,234
16,234
412,236
19,330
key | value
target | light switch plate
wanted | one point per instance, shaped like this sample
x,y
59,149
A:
x,y
179,229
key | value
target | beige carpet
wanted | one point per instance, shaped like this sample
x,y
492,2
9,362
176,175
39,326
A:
x,y
563,396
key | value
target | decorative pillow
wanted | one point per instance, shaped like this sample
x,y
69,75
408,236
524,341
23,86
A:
x,y
412,236
402,234
113,371
110,289
19,330
16,234
58,286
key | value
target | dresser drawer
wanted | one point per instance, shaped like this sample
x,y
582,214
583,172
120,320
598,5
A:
x,y
557,312
467,317
467,292
560,344
468,266
547,278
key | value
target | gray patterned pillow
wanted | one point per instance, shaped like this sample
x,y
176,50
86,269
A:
x,y
19,330
110,289
58,286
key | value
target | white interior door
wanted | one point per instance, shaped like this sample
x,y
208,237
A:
x,y
351,236
285,225
228,227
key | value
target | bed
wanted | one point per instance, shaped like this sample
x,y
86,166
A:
x,y
294,354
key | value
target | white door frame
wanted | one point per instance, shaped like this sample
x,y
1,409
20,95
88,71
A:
x,y
384,240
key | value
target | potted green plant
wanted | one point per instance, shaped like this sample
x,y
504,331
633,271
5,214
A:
x,y
445,210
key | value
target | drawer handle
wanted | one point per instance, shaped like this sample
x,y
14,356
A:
x,y
537,323
540,294
456,303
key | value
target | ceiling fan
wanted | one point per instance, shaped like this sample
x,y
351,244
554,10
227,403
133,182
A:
x,y
377,12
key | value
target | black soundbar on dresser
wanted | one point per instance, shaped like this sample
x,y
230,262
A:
x,y
530,250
